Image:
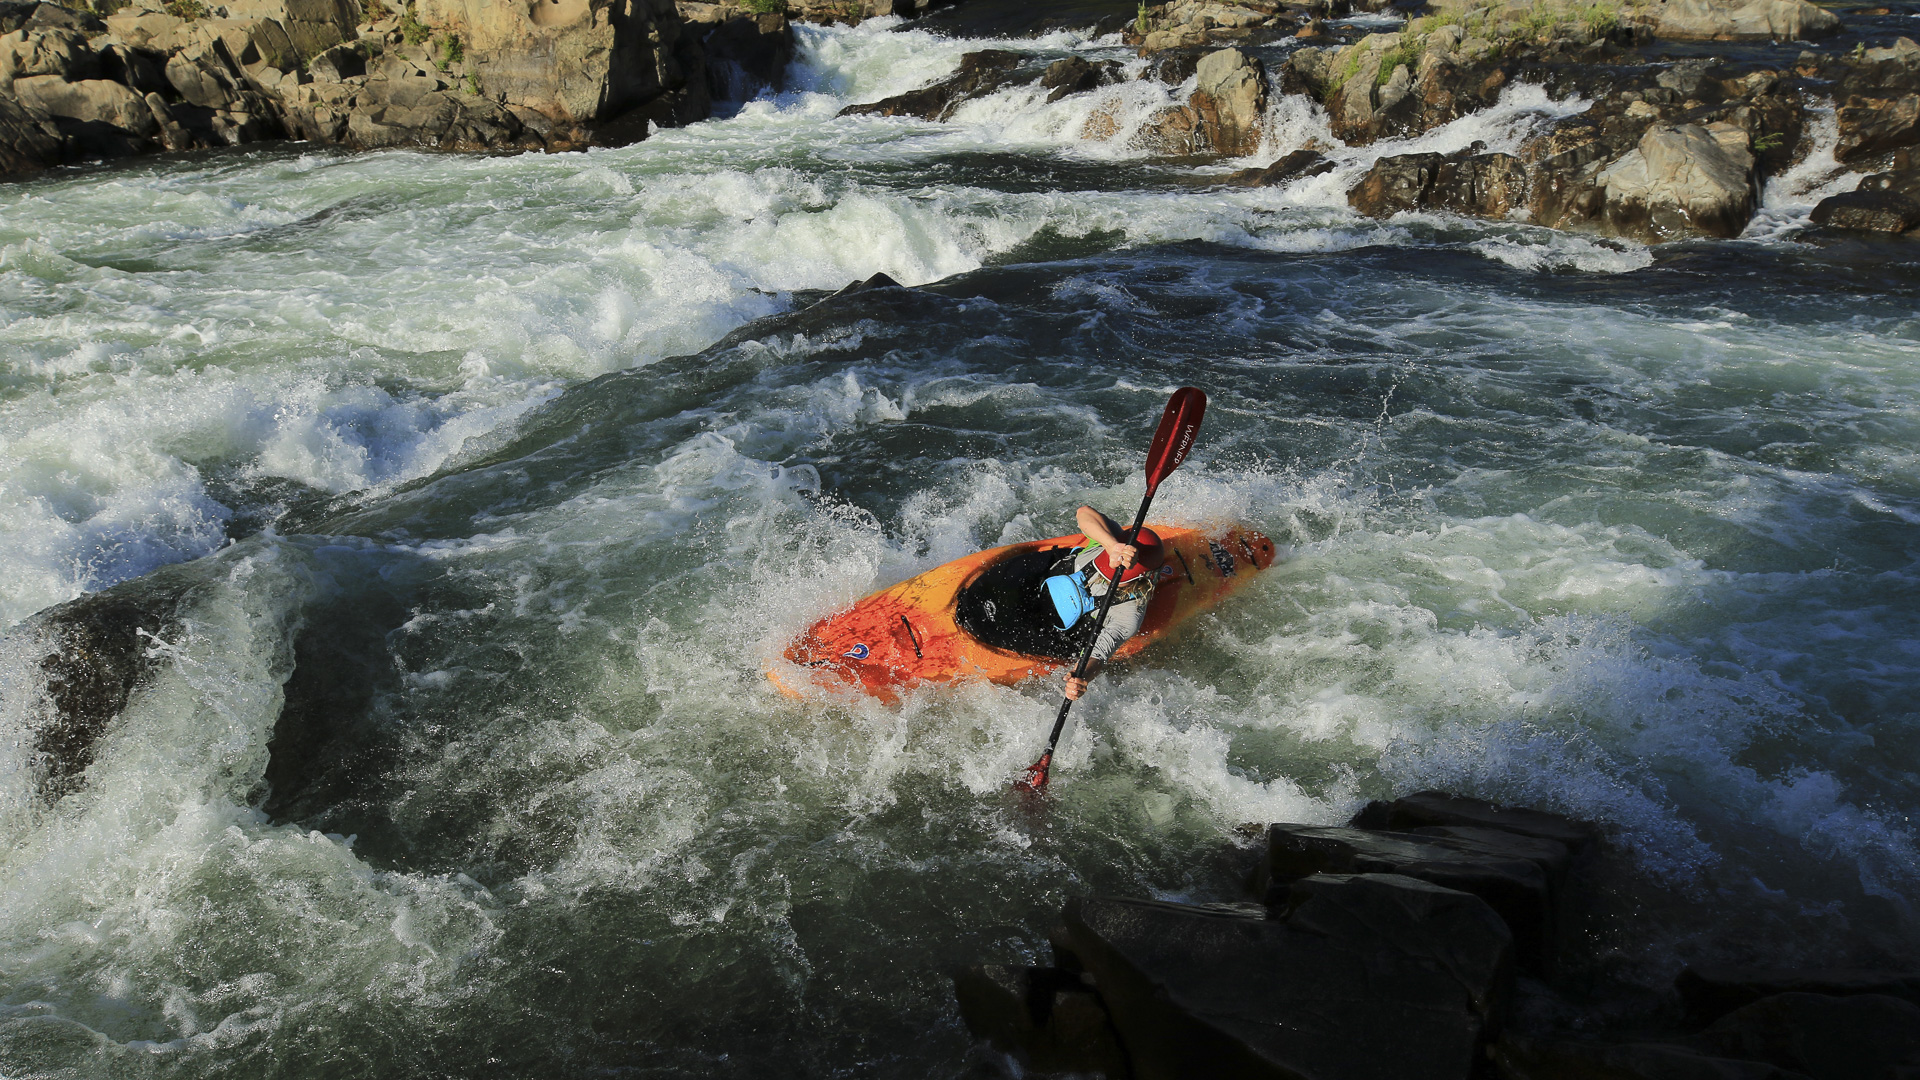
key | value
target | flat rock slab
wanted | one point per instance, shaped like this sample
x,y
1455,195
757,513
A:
x,y
1822,1036
1439,808
1710,992
1361,977
1578,1059
1511,873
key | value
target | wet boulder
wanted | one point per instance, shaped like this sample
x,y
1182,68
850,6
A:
x,y
1051,1019
1878,97
1295,166
1218,991
1822,1037
1682,180
1864,209
1709,992
1224,115
1871,124
1517,876
1477,185
1396,183
980,74
94,652
1075,75
1231,97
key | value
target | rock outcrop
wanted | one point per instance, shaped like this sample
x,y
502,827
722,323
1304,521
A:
x,y
1225,114
1401,83
455,74
1878,95
1188,24
1745,20
1387,949
1197,991
1661,154
1675,20
746,52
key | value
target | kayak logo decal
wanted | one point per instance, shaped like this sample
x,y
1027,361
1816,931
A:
x,y
858,652
1222,559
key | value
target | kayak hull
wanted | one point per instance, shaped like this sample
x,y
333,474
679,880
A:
x,y
936,628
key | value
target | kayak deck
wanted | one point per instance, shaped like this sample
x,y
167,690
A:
x,y
985,616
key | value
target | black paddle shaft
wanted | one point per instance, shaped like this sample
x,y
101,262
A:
x,y
1099,623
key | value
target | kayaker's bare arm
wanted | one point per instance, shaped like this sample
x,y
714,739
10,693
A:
x,y
1076,687
1103,530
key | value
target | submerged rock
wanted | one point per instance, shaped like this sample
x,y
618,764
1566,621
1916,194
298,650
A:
x,y
96,650
1049,1018
1297,165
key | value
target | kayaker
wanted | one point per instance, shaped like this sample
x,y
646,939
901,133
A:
x,y
1094,563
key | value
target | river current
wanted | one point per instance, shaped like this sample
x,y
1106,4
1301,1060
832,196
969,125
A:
x,y
497,484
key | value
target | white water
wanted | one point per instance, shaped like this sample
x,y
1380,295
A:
x,y
1560,531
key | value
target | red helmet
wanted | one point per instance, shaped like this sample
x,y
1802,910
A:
x,y
1152,554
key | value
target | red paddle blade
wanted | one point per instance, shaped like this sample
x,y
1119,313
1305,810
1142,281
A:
x,y
1179,426
1034,780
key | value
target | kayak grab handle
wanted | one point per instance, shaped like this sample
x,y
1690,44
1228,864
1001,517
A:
x,y
911,639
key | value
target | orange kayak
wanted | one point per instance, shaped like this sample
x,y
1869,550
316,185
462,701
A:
x,y
985,616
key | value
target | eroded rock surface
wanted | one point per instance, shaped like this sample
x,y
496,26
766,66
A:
x,y
456,74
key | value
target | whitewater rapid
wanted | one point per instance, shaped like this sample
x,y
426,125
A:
x,y
492,487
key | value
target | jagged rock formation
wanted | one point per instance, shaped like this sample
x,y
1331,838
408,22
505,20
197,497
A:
x,y
746,52
1663,152
980,74
1388,949
454,74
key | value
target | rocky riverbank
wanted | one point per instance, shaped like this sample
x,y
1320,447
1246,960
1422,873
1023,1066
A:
x,y
1424,940
1666,149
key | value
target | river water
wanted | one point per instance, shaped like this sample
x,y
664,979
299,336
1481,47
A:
x,y
496,484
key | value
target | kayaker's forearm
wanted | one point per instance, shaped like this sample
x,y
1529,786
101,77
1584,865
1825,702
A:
x,y
1097,526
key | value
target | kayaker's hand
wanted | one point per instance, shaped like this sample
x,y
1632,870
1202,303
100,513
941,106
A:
x,y
1123,554
1075,687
